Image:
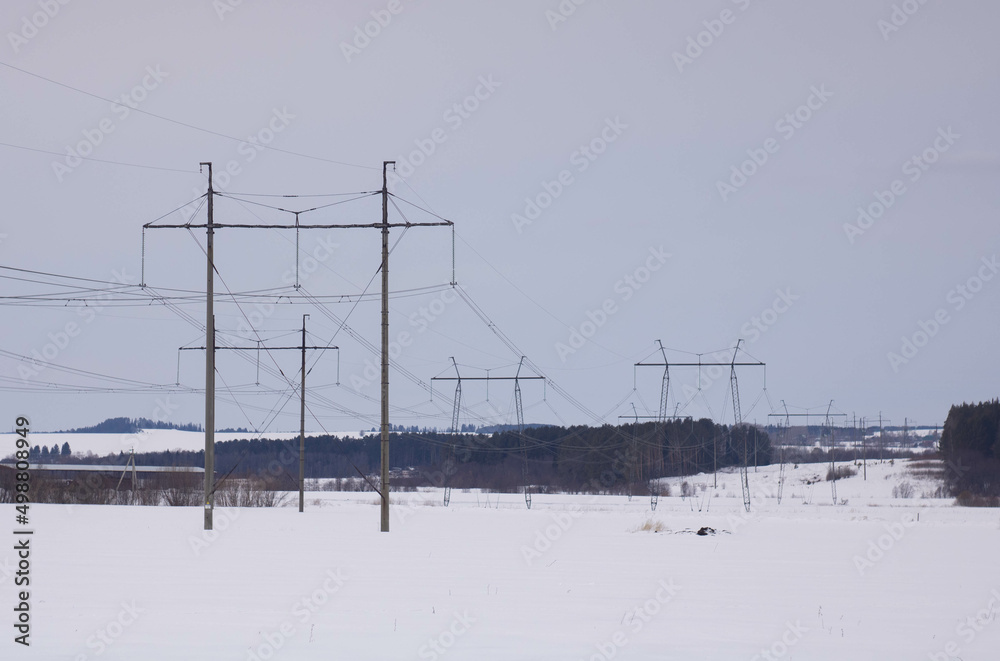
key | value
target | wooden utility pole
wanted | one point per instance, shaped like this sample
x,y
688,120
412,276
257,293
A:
x,y
210,360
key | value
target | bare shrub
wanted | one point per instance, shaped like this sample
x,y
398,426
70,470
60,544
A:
x,y
903,490
662,489
250,491
840,473
182,497
181,489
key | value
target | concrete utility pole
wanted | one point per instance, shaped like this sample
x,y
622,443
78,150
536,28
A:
x,y
384,484
881,441
864,448
302,423
302,432
385,225
210,360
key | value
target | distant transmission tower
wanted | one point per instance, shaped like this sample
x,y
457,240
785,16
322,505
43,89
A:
x,y
518,405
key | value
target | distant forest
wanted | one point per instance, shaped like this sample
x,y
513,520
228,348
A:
x,y
130,426
579,458
970,446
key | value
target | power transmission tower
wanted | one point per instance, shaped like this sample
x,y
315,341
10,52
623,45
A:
x,y
738,416
654,493
744,480
788,416
517,378
302,400
211,226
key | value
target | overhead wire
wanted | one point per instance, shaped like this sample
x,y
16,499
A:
x,y
98,160
184,124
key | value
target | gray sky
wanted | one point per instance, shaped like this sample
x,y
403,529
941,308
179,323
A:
x,y
627,125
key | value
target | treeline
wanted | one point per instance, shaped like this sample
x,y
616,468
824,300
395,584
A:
x,y
579,458
131,426
970,446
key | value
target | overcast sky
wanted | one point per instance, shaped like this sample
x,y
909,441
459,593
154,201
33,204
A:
x,y
818,179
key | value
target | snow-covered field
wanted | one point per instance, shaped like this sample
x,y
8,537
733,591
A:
x,y
576,577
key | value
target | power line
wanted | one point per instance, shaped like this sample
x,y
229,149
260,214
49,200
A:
x,y
98,160
180,123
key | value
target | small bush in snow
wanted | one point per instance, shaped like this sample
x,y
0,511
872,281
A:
x,y
903,490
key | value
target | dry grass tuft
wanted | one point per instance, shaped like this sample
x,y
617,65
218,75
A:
x,y
651,525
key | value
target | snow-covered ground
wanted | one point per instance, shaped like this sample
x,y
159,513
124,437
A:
x,y
576,577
